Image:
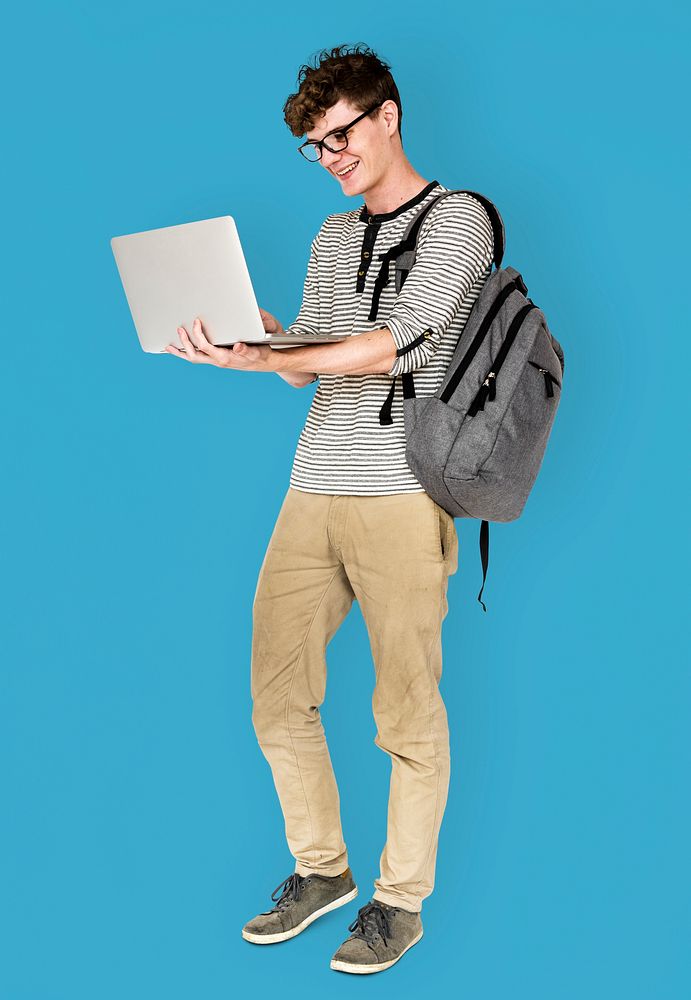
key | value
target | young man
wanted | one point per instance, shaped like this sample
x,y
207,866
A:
x,y
355,524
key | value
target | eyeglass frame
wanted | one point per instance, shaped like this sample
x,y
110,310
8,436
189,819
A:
x,y
320,144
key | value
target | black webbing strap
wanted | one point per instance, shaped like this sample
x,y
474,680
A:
x,y
550,380
409,244
407,247
403,253
382,279
464,364
484,556
413,343
380,282
488,388
406,381
385,412
408,386
408,393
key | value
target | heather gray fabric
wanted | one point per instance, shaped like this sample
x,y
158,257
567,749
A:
x,y
381,934
484,465
302,900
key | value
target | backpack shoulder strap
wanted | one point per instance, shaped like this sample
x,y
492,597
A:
x,y
404,252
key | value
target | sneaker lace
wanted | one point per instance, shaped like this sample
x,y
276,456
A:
x,y
371,919
287,892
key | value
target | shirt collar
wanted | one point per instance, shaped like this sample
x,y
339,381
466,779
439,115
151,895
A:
x,y
365,216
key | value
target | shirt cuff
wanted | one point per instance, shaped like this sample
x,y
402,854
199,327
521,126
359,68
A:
x,y
407,342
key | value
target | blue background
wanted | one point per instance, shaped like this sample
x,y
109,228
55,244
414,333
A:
x,y
140,826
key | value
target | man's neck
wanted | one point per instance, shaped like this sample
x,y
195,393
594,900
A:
x,y
395,188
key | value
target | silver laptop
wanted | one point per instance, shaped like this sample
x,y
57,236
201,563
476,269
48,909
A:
x,y
174,274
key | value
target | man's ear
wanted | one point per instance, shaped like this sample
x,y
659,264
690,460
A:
x,y
390,112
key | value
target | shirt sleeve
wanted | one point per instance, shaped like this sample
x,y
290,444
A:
x,y
455,246
307,321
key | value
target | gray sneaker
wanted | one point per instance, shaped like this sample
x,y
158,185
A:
x,y
381,935
299,900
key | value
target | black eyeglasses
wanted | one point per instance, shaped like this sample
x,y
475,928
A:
x,y
312,149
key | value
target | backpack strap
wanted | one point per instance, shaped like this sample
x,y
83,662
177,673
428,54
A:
x,y
403,253
408,393
404,256
408,245
484,557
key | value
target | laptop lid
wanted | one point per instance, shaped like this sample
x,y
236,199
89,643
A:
x,y
173,274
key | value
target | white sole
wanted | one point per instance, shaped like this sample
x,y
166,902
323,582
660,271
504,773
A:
x,y
362,970
285,935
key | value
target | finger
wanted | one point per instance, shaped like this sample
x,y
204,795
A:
x,y
172,349
206,351
194,335
246,351
189,348
269,322
198,337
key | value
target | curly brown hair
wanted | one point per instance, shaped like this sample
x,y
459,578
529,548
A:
x,y
350,72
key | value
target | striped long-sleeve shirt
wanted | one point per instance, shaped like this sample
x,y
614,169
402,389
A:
x,y
343,448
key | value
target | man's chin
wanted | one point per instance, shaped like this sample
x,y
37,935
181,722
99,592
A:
x,y
353,188
352,191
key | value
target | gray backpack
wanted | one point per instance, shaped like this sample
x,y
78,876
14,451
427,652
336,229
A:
x,y
476,446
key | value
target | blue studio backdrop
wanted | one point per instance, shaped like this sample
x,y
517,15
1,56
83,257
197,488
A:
x,y
140,826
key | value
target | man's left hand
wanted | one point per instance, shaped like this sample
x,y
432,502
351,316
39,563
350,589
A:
x,y
197,349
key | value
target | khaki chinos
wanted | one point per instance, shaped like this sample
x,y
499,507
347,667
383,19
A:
x,y
393,554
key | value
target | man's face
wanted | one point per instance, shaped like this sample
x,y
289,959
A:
x,y
369,147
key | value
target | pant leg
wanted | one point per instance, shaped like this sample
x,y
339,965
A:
x,y
302,597
399,552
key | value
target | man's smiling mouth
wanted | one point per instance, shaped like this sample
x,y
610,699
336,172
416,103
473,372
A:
x,y
347,170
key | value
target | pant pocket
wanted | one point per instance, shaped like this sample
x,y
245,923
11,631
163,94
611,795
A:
x,y
448,539
442,531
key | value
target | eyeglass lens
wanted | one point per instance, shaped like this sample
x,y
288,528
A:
x,y
334,143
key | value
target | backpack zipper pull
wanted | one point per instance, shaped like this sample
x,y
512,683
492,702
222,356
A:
x,y
486,391
549,378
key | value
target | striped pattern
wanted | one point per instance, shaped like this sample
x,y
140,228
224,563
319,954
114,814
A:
x,y
342,447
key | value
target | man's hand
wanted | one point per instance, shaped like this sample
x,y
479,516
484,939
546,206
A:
x,y
370,353
197,349
271,324
296,379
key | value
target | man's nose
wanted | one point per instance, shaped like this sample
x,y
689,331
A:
x,y
330,159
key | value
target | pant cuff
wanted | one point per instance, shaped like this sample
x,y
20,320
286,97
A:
x,y
329,871
385,897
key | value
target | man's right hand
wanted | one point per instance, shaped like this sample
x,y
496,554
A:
x,y
271,324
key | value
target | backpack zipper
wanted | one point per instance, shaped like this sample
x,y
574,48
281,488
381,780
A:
x,y
464,364
550,380
488,387
491,386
